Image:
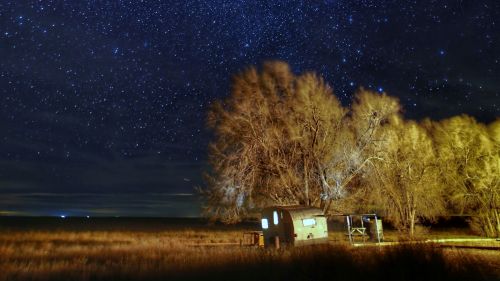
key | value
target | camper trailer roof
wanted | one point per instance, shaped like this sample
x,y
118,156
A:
x,y
299,212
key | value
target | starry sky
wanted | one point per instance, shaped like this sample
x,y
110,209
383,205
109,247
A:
x,y
102,103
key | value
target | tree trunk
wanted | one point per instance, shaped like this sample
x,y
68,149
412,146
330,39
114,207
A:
x,y
306,184
497,216
491,230
412,224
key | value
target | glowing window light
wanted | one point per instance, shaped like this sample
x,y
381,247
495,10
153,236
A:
x,y
265,224
308,222
275,217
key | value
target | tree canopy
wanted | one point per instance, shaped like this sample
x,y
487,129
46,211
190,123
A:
x,y
285,139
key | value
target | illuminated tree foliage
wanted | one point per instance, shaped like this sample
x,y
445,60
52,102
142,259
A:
x,y
469,154
284,139
405,183
268,135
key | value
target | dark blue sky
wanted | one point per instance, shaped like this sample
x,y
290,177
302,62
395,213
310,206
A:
x,y
107,99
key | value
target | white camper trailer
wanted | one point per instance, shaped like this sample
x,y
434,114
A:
x,y
294,225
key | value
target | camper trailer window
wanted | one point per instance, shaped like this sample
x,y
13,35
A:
x,y
275,217
308,222
265,225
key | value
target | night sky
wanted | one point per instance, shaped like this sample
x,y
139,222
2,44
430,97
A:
x,y
103,103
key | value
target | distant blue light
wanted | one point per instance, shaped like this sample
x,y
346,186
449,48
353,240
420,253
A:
x,y
380,89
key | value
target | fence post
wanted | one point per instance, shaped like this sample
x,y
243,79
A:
x,y
276,242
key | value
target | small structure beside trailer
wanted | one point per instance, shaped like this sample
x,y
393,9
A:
x,y
294,226
368,225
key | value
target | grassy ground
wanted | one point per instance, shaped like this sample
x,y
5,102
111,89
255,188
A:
x,y
63,252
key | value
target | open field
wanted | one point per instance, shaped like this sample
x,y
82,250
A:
x,y
76,249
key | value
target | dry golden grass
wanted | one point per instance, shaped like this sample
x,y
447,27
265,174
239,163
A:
x,y
184,254
47,254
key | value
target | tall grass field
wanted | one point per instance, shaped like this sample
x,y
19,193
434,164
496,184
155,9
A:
x,y
121,249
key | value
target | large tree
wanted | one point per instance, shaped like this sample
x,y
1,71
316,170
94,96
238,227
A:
x,y
268,137
469,154
342,173
406,181
285,139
